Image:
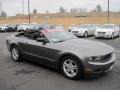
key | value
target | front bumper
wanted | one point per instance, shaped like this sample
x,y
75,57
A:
x,y
102,36
93,68
79,34
2,30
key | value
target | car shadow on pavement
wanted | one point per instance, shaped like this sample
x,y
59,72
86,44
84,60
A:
x,y
41,65
100,38
57,71
85,37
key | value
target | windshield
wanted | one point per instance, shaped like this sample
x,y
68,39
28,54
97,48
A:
x,y
58,27
24,26
36,26
107,26
84,26
59,36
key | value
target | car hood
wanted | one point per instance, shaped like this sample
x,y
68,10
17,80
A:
x,y
86,47
79,29
104,30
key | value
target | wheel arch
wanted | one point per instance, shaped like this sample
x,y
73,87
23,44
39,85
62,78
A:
x,y
12,45
66,55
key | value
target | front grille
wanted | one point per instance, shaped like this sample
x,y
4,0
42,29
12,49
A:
x,y
101,32
75,31
106,57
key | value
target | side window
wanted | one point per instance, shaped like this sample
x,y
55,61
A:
x,y
28,35
38,35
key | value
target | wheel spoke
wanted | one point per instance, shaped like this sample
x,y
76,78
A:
x,y
66,65
70,67
74,67
15,54
72,72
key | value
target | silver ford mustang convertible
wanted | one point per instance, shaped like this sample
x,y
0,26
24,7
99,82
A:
x,y
75,57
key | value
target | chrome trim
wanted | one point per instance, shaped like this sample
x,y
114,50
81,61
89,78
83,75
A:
x,y
39,56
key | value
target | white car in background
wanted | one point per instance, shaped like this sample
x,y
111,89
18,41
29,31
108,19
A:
x,y
72,27
59,27
97,26
84,30
24,27
3,27
108,31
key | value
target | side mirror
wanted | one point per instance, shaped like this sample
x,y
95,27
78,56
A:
x,y
41,39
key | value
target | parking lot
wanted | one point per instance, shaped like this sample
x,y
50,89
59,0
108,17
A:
x,y
29,76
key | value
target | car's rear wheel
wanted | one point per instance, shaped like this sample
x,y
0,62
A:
x,y
86,34
119,34
15,54
71,68
5,30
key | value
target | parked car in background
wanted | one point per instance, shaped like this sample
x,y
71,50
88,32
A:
x,y
3,27
23,27
12,28
72,27
108,31
37,27
97,26
84,30
59,27
48,26
61,49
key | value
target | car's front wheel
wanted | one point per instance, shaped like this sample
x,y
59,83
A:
x,y
15,54
5,30
71,68
86,34
112,36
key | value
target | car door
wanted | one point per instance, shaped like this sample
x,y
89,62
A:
x,y
117,30
93,29
40,52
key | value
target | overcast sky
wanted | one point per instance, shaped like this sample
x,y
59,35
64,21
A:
x,y
15,6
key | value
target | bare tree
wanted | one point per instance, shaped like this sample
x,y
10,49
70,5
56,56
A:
x,y
98,8
3,14
47,11
62,10
34,11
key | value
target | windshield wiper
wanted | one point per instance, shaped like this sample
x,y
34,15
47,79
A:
x,y
63,40
60,41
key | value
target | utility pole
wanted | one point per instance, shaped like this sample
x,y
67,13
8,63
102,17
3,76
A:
x,y
0,8
23,6
108,11
29,10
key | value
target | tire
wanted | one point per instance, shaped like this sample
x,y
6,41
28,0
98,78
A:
x,y
112,36
86,34
71,68
119,34
5,30
16,56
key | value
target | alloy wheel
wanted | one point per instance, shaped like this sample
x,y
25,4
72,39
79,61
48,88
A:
x,y
70,68
15,54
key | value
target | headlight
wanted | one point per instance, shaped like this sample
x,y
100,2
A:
x,y
95,58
